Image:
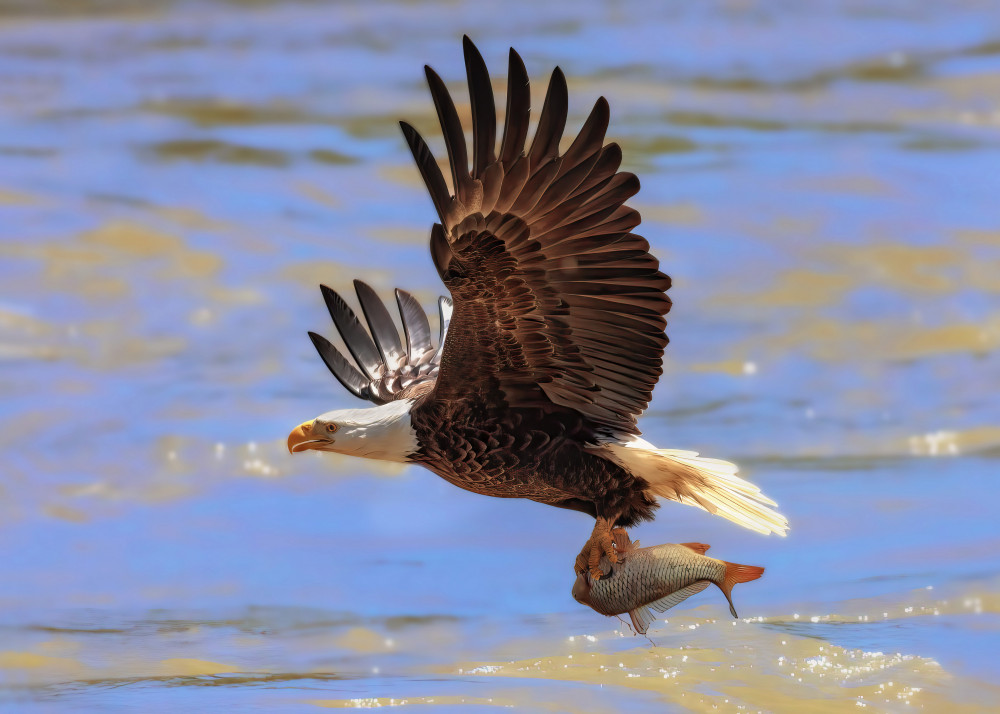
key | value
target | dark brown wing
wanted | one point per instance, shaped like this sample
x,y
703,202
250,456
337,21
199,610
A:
x,y
556,301
384,368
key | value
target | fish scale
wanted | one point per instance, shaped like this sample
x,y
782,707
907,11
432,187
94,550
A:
x,y
647,576
659,577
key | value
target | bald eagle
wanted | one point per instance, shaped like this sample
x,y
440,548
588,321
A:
x,y
551,342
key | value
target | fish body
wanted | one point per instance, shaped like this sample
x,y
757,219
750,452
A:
x,y
659,578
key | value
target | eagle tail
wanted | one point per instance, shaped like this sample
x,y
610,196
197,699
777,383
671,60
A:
x,y
710,484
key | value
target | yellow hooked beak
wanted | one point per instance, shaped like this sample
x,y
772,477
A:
x,y
302,438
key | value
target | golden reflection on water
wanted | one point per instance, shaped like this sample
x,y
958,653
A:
x,y
947,268
212,113
220,151
89,262
16,198
924,271
937,268
503,700
773,663
796,669
838,341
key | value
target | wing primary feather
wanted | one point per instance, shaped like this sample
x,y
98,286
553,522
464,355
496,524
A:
x,y
516,173
551,122
380,323
357,340
492,179
345,373
515,128
590,140
484,112
535,186
604,169
454,135
415,325
558,190
430,172
440,249
569,291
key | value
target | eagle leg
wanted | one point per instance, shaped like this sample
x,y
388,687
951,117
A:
x,y
600,544
622,541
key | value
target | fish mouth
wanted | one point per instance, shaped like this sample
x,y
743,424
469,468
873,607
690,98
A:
x,y
581,589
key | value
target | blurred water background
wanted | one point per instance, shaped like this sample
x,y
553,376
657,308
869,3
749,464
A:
x,y
821,180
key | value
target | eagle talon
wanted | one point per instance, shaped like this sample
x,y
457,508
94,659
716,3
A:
x,y
620,537
600,544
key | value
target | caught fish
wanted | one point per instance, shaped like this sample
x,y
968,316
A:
x,y
659,578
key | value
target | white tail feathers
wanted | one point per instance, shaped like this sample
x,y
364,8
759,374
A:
x,y
709,484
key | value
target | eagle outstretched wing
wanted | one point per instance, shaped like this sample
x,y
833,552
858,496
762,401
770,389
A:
x,y
557,303
384,369
558,306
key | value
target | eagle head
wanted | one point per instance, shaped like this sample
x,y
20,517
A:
x,y
384,432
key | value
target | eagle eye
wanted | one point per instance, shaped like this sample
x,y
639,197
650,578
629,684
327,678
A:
x,y
331,428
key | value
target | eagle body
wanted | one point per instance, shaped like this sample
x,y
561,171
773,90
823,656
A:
x,y
526,453
551,342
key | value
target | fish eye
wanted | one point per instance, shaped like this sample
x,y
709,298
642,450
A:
x,y
331,428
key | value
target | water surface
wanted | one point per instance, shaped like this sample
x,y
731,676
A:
x,y
176,179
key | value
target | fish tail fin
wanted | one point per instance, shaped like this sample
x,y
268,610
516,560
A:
x,y
710,484
736,573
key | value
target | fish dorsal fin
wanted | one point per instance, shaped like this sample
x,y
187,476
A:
x,y
642,618
668,601
698,548
625,551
